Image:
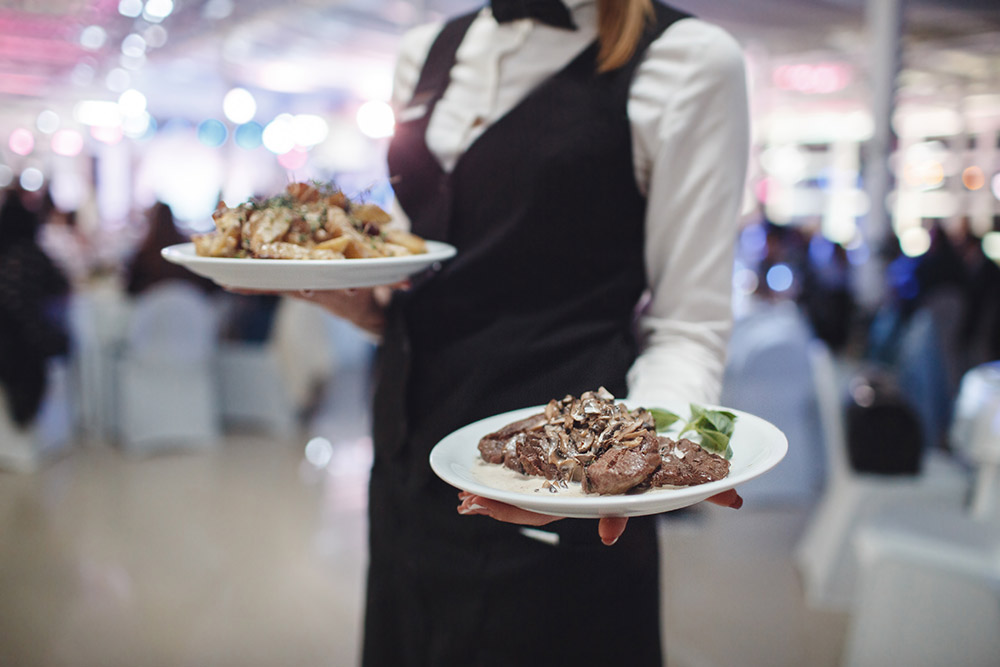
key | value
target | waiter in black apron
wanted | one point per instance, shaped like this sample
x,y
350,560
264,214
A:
x,y
607,164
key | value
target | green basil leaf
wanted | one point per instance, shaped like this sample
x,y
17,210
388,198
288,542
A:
x,y
721,420
714,441
664,419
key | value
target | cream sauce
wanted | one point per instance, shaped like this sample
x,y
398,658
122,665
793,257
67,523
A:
x,y
500,477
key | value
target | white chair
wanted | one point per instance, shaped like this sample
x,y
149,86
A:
x,y
301,343
929,591
768,374
825,555
98,318
252,390
166,372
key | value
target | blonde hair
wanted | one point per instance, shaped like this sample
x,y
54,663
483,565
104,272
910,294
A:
x,y
619,27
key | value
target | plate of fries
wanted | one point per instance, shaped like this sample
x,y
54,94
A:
x,y
296,274
312,236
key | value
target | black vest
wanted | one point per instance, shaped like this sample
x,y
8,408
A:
x,y
548,222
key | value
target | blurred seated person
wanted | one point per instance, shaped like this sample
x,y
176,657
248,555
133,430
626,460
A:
x,y
147,267
249,318
32,296
61,239
826,296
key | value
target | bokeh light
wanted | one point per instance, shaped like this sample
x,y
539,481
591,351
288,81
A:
x,y
991,245
973,178
239,105
6,175
21,141
157,10
110,135
155,36
130,8
97,113
212,133
132,102
47,121
93,37
134,45
67,143
277,136
138,126
308,130
812,78
376,119
248,135
915,241
294,159
753,242
780,278
32,179
319,452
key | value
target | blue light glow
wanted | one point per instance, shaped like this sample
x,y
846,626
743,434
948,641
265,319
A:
x,y
212,133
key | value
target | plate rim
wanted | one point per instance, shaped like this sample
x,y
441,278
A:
x,y
649,502
184,253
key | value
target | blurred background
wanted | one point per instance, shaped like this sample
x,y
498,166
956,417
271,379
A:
x,y
183,471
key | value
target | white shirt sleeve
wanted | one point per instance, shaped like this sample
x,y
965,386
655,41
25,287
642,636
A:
x,y
689,114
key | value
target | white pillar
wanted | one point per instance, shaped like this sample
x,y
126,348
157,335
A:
x,y
883,22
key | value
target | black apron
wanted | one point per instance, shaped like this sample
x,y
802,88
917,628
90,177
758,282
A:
x,y
538,303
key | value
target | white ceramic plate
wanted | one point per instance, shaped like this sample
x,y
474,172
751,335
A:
x,y
288,274
757,447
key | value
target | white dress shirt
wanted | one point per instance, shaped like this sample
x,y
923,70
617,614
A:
x,y
690,134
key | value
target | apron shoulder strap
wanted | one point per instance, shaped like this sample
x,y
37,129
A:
x,y
437,67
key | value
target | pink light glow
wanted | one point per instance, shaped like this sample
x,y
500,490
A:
x,y
67,142
37,50
107,135
293,159
819,78
21,141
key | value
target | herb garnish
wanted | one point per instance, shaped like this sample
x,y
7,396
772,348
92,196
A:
x,y
713,428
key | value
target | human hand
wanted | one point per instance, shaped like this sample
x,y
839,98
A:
x,y
608,528
364,307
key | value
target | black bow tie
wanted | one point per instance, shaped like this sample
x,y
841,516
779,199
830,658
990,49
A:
x,y
550,12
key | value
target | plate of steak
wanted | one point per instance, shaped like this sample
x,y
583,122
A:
x,y
592,456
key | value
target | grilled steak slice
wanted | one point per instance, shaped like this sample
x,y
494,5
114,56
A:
x,y
534,452
497,446
685,463
621,468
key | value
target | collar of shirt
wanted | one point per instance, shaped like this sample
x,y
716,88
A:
x,y
572,5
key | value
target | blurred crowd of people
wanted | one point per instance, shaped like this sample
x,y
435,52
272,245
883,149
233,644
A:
x,y
939,315
45,257
33,291
46,260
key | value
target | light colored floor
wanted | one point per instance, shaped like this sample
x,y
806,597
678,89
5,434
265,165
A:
x,y
253,556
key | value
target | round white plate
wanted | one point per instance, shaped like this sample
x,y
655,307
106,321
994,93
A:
x,y
289,274
757,447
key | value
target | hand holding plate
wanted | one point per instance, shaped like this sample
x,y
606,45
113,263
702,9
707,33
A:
x,y
609,528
